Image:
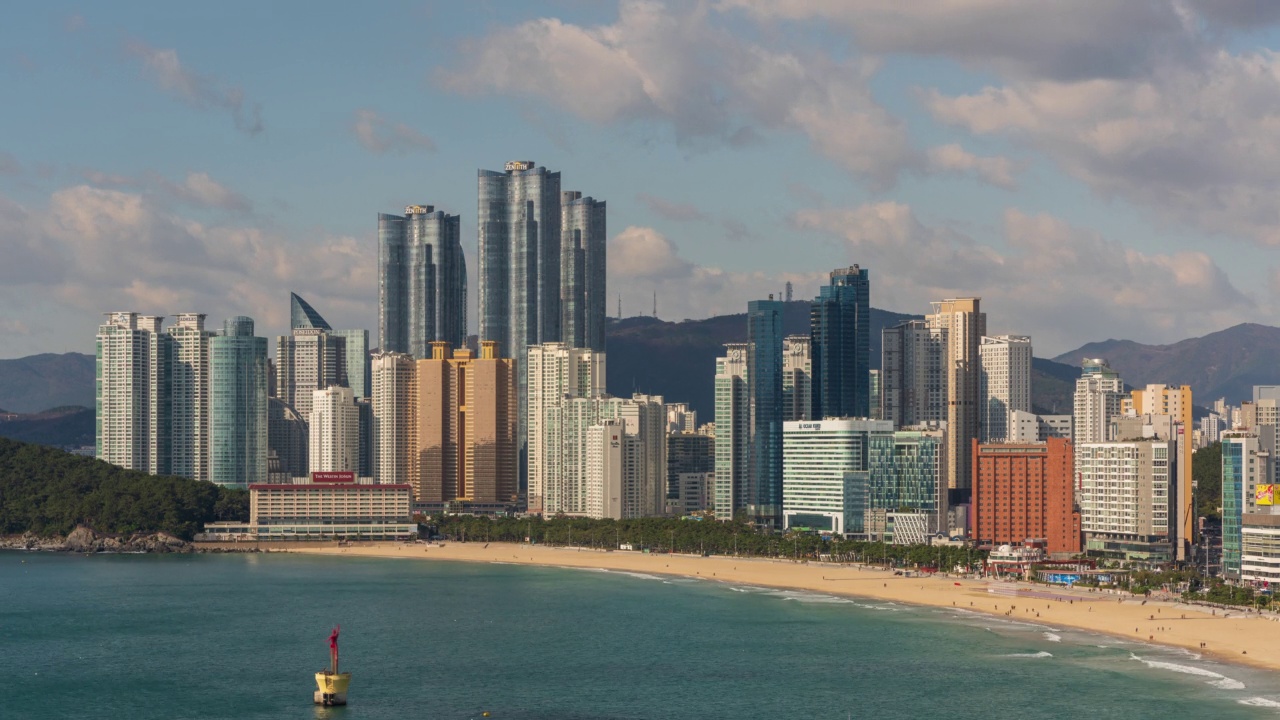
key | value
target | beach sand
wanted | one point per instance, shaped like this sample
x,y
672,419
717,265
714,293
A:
x,y
1231,636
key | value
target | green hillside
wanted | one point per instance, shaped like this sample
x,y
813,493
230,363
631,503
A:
x,y
50,492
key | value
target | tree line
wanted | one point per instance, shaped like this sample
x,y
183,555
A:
x,y
49,492
707,536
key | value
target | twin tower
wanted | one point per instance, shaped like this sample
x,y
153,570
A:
x,y
541,272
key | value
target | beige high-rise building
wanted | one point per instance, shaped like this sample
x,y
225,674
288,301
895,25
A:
x,y
467,446
334,431
964,324
395,418
1176,403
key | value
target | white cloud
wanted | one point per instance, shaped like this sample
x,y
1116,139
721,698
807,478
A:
x,y
998,171
1061,284
197,189
663,208
203,92
380,136
679,67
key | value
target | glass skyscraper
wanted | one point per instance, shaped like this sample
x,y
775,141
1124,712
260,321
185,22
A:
x,y
840,345
764,392
582,270
422,281
238,405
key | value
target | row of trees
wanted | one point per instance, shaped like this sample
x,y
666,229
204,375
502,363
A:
x,y
49,492
692,536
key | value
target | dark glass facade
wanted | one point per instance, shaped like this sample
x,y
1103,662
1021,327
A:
x,y
238,374
582,270
764,390
840,337
422,281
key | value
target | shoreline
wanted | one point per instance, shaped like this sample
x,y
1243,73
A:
x,y
1237,638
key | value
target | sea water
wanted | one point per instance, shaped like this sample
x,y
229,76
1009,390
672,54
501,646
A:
x,y
240,636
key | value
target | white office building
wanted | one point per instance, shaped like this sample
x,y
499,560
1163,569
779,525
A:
x,y
1125,496
824,472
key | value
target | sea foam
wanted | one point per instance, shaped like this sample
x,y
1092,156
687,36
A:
x,y
1217,680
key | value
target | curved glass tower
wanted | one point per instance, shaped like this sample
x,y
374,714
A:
x,y
422,281
582,270
238,405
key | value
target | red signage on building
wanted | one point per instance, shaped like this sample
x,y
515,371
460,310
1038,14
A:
x,y
345,476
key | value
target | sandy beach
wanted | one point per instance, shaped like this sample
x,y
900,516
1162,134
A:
x,y
1233,636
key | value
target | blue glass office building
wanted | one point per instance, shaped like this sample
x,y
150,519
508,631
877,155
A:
x,y
840,345
238,374
764,393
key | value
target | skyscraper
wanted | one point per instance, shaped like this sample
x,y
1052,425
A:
x,y
913,381
189,396
732,432
582,270
334,431
555,371
287,441
310,358
840,329
797,378
466,443
395,418
1005,384
764,396
132,403
422,281
1098,397
355,350
238,430
964,324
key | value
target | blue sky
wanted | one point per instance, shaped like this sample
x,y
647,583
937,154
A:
x,y
1091,169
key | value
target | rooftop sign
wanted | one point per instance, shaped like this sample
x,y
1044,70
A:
x,y
519,165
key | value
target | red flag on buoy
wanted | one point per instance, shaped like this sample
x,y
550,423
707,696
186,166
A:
x,y
333,638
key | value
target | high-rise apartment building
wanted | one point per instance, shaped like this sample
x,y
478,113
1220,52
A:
x,y
797,379
1127,498
334,431
556,371
732,431
1005,380
189,396
422,281
913,380
764,396
132,401
288,441
840,332
582,270
1097,402
1175,403
963,323
1023,491
238,425
310,358
466,439
681,418
395,418
877,394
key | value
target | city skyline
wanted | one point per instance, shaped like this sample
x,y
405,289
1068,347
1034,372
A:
x,y
951,166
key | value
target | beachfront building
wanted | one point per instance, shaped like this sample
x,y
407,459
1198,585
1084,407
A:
x,y
334,431
688,453
582,270
188,377
797,379
1126,497
132,428
422,281
824,473
962,323
395,418
732,435
1248,483
906,485
1175,403
556,372
238,378
1025,490
325,506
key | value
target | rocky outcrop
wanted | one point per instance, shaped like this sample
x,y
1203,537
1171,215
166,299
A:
x,y
85,540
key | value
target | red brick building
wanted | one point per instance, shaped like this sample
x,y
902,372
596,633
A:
x,y
1025,490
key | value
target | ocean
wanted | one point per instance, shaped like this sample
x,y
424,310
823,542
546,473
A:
x,y
240,636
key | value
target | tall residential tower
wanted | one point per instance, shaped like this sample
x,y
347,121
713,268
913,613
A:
x,y
422,281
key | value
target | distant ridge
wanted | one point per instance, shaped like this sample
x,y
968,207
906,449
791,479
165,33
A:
x,y
39,382
1227,363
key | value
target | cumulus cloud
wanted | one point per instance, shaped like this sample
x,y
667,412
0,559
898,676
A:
x,y
678,67
203,92
381,136
1057,282
644,262
663,208
197,189
998,171
89,249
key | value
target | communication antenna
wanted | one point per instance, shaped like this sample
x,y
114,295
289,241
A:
x,y
619,306
655,303
788,291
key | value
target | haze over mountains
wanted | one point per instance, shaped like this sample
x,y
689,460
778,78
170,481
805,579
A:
x,y
677,360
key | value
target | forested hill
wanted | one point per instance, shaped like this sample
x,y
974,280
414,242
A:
x,y
49,492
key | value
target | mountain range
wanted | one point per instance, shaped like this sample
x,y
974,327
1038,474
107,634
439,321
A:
x,y
53,394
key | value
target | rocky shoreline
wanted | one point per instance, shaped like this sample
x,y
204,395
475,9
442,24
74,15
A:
x,y
86,540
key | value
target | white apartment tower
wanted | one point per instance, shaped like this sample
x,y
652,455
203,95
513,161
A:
x,y
732,430
395,421
1005,384
189,388
334,430
1098,398
797,378
555,372
132,428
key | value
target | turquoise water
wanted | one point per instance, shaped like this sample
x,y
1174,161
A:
x,y
238,636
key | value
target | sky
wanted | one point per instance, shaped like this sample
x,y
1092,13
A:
x,y
1091,169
